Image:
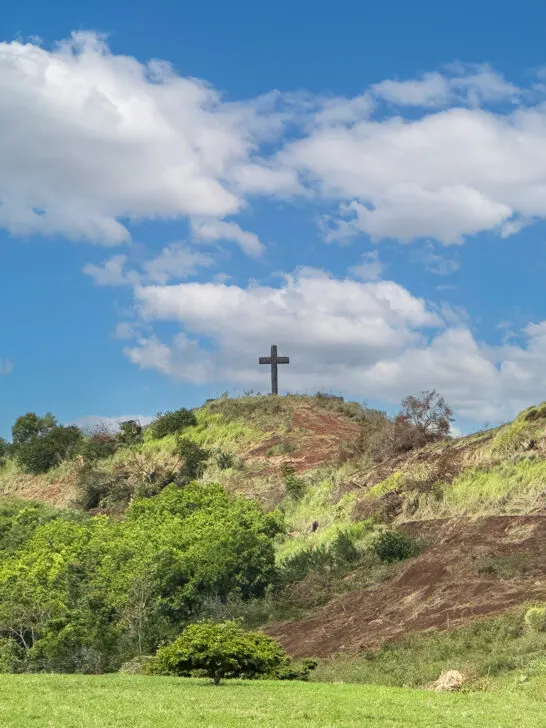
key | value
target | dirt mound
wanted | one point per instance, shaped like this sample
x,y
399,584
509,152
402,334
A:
x,y
316,436
471,568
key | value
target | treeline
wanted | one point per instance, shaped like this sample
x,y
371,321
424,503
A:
x,y
39,443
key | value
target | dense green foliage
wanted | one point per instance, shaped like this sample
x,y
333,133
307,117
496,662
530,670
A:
x,y
129,701
41,453
85,594
194,458
30,426
130,433
395,546
172,422
100,444
224,650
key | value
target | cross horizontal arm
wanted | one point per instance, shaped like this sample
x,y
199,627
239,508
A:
x,y
283,360
265,360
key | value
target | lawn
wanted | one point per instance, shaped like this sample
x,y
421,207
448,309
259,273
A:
x,y
120,701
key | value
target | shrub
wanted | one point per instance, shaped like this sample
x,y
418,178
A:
x,y
130,433
294,486
41,453
97,488
101,444
11,656
225,650
172,422
393,546
429,414
535,619
194,457
343,549
225,460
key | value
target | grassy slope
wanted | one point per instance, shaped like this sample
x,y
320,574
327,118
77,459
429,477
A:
x,y
501,471
139,702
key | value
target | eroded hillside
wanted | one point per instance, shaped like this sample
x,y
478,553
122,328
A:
x,y
477,506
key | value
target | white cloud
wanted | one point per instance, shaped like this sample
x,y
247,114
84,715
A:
x,y
370,340
176,261
435,262
211,230
110,272
90,422
90,141
88,138
430,90
370,268
468,84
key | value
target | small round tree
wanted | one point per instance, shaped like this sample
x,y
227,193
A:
x,y
170,423
221,650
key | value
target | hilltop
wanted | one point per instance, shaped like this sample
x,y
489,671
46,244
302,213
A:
x,y
474,507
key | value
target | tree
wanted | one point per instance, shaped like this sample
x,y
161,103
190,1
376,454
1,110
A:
x,y
29,426
219,651
101,443
172,422
40,453
194,457
130,432
429,414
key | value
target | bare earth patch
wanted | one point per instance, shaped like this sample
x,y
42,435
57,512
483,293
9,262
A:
x,y
442,588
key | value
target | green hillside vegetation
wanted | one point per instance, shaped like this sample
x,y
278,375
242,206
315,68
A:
x,y
257,509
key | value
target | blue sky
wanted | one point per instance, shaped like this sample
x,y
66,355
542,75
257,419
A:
x,y
363,185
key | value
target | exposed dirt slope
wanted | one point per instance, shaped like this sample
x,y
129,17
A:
x,y
316,437
473,567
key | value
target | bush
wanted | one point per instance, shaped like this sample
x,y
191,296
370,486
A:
x,y
101,444
100,488
535,619
41,453
294,486
225,650
225,460
130,433
194,457
172,422
393,546
11,656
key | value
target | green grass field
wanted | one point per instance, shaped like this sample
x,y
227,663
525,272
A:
x,y
120,701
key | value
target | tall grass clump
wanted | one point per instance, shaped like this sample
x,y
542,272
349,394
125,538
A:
x,y
486,649
510,487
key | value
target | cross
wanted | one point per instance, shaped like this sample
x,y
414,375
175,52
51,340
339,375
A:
x,y
274,360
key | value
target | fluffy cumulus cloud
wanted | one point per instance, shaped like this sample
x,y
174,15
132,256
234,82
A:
x,y
175,261
90,140
370,339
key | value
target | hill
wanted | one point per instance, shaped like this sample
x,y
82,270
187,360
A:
x,y
472,512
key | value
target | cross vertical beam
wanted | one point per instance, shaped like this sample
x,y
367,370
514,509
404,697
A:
x,y
274,360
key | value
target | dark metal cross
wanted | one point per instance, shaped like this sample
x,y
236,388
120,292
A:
x,y
274,360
